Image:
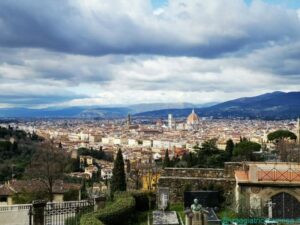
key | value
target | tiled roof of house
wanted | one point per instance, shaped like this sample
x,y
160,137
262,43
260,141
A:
x,y
17,186
5,191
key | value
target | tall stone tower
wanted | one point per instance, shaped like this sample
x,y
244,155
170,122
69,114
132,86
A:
x,y
170,121
298,131
128,120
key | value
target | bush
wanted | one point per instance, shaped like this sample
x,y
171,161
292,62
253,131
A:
x,y
144,200
71,195
120,210
90,219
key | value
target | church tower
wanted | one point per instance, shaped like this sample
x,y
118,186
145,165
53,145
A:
x,y
298,131
128,120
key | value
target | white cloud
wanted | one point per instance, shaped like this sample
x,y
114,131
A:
x,y
113,52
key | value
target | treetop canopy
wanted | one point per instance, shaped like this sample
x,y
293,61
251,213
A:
x,y
281,134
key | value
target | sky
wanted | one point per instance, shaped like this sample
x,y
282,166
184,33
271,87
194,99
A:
x,y
57,53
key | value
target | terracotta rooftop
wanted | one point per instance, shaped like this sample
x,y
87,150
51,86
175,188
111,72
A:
x,y
16,186
241,175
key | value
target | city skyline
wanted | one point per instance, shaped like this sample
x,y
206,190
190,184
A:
x,y
96,53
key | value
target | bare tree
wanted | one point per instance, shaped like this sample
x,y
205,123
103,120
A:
x,y
48,165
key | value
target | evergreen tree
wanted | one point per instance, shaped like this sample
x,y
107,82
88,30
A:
x,y
229,148
166,162
128,166
190,162
118,182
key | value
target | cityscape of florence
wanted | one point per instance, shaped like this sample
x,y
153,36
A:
x,y
149,112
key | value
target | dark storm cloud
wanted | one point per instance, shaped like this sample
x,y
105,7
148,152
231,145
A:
x,y
66,26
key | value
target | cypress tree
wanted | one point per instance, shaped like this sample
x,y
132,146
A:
x,y
229,148
118,182
166,162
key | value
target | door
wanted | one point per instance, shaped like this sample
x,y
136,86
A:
x,y
285,206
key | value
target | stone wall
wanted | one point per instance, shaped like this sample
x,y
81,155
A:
x,y
193,172
193,179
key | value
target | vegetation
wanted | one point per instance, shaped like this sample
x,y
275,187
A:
x,y
118,182
284,141
281,134
166,162
178,207
16,151
128,207
229,148
209,156
27,197
244,150
97,154
71,195
120,210
48,164
145,200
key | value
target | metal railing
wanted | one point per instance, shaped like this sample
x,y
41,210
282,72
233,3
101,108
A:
x,y
67,213
21,207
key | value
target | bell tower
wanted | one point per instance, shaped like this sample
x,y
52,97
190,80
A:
x,y
298,131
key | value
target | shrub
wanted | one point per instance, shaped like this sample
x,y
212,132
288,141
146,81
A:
x,y
90,219
71,195
144,200
120,210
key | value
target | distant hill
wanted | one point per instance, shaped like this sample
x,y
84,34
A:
x,y
276,105
103,112
71,112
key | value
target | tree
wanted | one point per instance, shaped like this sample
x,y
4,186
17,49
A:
x,y
128,166
281,134
283,140
244,150
48,164
229,148
166,162
118,182
208,155
189,159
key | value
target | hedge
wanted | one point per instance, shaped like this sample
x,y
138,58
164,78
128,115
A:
x,y
119,211
90,219
144,200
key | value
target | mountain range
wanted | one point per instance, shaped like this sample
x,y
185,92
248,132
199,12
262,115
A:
x,y
101,112
276,105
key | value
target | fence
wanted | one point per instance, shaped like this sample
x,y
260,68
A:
x,y
15,214
66,212
42,213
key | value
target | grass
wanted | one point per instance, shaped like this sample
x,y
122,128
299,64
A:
x,y
228,213
178,207
141,218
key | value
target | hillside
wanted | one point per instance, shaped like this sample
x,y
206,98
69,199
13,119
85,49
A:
x,y
276,105
100,112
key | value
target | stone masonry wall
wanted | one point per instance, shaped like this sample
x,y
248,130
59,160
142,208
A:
x,y
193,179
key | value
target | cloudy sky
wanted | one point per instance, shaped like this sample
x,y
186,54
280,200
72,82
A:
x,y
99,52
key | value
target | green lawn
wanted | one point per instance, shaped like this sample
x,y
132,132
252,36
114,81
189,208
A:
x,y
178,207
226,213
